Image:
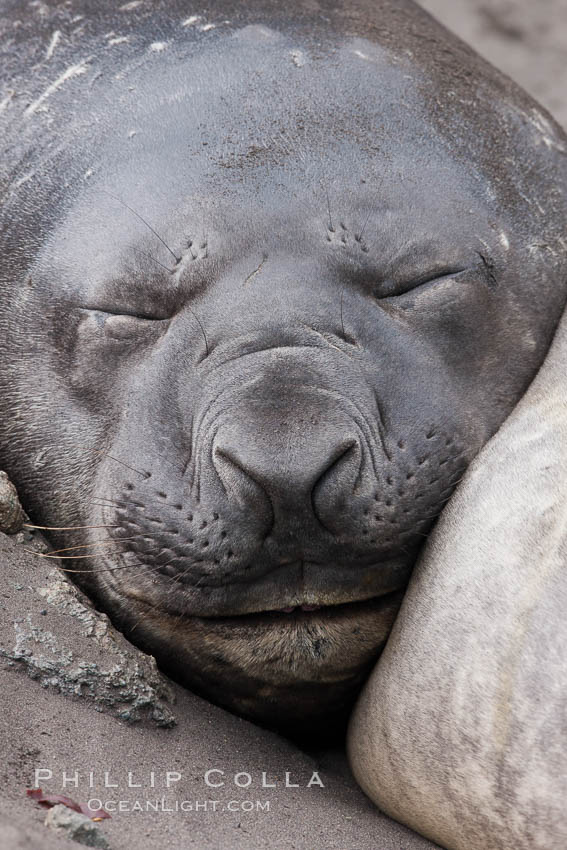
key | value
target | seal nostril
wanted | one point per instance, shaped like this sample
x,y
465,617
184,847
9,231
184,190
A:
x,y
246,473
337,482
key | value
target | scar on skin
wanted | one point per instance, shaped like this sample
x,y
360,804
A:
x,y
256,270
69,74
489,269
52,44
4,104
298,58
546,131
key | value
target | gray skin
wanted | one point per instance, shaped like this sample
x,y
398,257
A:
x,y
267,289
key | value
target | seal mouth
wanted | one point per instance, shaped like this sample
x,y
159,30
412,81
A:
x,y
286,594
306,612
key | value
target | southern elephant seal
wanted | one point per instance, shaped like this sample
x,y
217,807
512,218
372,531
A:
x,y
271,278
460,732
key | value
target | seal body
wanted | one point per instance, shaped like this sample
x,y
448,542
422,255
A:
x,y
270,279
477,758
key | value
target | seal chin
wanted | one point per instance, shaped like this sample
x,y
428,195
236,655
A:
x,y
293,670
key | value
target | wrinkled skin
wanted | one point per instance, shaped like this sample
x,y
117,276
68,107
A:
x,y
268,290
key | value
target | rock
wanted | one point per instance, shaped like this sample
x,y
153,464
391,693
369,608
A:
x,y
14,836
12,514
50,629
76,826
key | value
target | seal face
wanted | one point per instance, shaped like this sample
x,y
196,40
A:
x,y
284,295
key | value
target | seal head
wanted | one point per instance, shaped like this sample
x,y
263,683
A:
x,y
294,279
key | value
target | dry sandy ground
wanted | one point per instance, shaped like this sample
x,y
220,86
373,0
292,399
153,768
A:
x,y
48,633
39,728
527,39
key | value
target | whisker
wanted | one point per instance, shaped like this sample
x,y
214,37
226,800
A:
x,y
99,570
94,571
125,502
143,220
95,543
66,527
75,558
65,558
149,256
361,234
331,228
98,452
199,322
153,607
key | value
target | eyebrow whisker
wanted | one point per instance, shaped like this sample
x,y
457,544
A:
x,y
331,228
150,257
361,234
143,220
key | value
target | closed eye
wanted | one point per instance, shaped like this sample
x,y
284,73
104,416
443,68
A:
x,y
126,314
393,289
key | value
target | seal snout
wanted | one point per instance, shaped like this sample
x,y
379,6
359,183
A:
x,y
287,455
274,475
297,492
